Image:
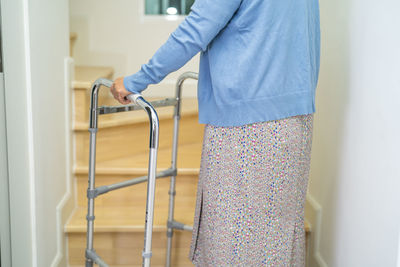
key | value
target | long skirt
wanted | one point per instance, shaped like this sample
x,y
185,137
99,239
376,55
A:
x,y
251,194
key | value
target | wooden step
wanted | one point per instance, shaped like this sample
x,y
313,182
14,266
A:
x,y
122,265
125,248
83,80
129,265
131,218
188,109
119,229
119,234
86,75
189,156
135,196
121,137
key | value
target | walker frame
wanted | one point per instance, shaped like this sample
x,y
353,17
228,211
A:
x,y
92,192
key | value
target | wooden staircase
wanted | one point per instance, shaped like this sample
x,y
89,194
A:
x,y
122,153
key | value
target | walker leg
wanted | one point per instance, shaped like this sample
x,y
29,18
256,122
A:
x,y
151,180
91,179
91,256
170,230
90,214
146,254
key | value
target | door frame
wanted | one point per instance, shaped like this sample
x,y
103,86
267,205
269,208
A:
x,y
5,230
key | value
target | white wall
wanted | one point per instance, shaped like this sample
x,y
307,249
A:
x,y
355,172
117,33
36,46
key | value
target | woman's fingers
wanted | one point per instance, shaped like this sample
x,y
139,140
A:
x,y
123,100
119,91
126,101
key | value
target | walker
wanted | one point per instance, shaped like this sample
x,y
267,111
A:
x,y
138,103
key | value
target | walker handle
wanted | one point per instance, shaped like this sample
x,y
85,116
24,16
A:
x,y
103,81
108,83
134,98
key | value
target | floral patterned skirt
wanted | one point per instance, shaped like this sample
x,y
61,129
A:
x,y
251,194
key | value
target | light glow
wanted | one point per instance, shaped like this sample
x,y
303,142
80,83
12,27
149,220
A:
x,y
172,11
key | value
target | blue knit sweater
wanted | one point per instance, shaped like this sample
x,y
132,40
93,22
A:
x,y
259,59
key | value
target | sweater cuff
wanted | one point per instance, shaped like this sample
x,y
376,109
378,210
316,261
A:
x,y
133,85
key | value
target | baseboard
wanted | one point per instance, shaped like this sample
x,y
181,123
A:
x,y
313,214
63,212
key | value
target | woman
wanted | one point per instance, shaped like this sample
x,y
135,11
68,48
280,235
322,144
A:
x,y
258,73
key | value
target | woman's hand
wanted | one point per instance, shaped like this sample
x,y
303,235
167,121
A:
x,y
119,91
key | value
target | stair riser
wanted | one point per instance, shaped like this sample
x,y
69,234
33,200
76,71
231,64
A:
x,y
126,248
126,140
135,195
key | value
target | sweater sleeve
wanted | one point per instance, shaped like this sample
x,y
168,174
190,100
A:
x,y
206,19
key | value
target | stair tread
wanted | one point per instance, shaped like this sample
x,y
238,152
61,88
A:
x,y
128,219
189,156
86,75
125,219
189,108
122,265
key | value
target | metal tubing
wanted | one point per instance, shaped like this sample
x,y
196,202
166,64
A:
x,y
177,115
107,188
115,109
154,134
146,254
91,186
91,254
179,226
153,117
178,88
92,166
172,188
94,100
